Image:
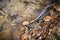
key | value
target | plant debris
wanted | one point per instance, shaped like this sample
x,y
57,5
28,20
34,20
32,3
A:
x,y
29,20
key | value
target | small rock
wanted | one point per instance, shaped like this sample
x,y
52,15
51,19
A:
x,y
24,37
47,18
57,7
25,23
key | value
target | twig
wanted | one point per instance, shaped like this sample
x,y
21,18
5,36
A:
x,y
43,12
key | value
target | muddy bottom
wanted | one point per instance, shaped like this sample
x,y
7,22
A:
x,y
29,20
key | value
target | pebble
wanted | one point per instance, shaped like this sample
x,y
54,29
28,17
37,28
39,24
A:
x,y
25,23
24,37
57,7
47,18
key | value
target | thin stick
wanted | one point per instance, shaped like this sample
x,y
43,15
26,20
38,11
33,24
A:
x,y
43,12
